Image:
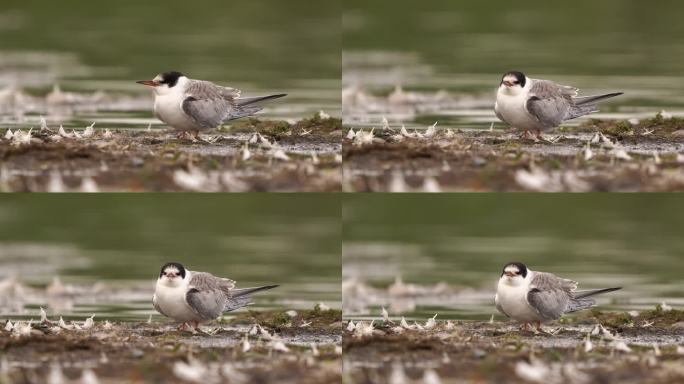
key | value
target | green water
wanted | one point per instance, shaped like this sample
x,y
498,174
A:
x,y
465,46
122,241
260,47
632,241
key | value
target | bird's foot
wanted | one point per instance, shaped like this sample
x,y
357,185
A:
x,y
183,135
525,327
183,327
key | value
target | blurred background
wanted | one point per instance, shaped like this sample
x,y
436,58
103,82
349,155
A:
x,y
95,51
79,255
448,251
454,53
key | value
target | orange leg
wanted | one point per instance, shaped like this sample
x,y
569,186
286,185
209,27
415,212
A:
x,y
538,323
525,326
195,324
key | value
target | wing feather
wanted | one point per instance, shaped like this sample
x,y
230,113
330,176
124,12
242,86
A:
x,y
549,103
209,104
550,295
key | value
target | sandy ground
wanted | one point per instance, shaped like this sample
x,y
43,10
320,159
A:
x,y
646,155
628,348
251,155
285,347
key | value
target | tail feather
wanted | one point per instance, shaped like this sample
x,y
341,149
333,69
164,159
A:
x,y
256,99
593,292
581,299
247,291
595,98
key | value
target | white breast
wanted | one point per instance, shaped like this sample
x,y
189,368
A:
x,y
512,109
513,301
171,301
168,109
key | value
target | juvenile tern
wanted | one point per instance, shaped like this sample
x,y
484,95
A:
x,y
196,297
190,105
537,105
537,297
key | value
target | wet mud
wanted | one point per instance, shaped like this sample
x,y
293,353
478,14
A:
x,y
303,348
598,155
251,155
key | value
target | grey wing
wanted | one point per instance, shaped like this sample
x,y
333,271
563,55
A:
x,y
208,294
208,113
549,102
207,281
550,295
209,104
498,306
208,304
156,306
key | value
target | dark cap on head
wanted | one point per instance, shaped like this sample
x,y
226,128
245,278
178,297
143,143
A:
x,y
519,77
178,266
522,269
170,78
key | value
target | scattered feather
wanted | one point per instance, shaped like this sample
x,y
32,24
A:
x,y
246,346
323,115
245,153
89,377
322,307
351,134
107,134
43,316
279,346
55,376
431,377
314,350
8,134
588,346
281,155
431,322
385,315
431,185
588,154
89,322
620,345
351,326
535,371
89,131
89,185
192,371
665,307
431,131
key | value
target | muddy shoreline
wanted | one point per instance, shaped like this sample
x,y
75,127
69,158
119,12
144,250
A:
x,y
250,155
291,347
646,347
598,155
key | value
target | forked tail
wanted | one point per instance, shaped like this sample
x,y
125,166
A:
x,y
581,299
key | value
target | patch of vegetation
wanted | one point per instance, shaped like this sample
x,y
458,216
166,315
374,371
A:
x,y
662,317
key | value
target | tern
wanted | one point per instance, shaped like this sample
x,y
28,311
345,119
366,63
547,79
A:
x,y
538,105
190,105
529,296
196,297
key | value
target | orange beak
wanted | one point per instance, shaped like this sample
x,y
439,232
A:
x,y
149,83
509,274
508,83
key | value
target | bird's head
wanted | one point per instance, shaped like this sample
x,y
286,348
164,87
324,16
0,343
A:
x,y
165,82
172,274
513,83
514,273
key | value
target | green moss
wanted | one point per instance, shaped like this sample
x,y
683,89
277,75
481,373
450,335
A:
x,y
660,317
